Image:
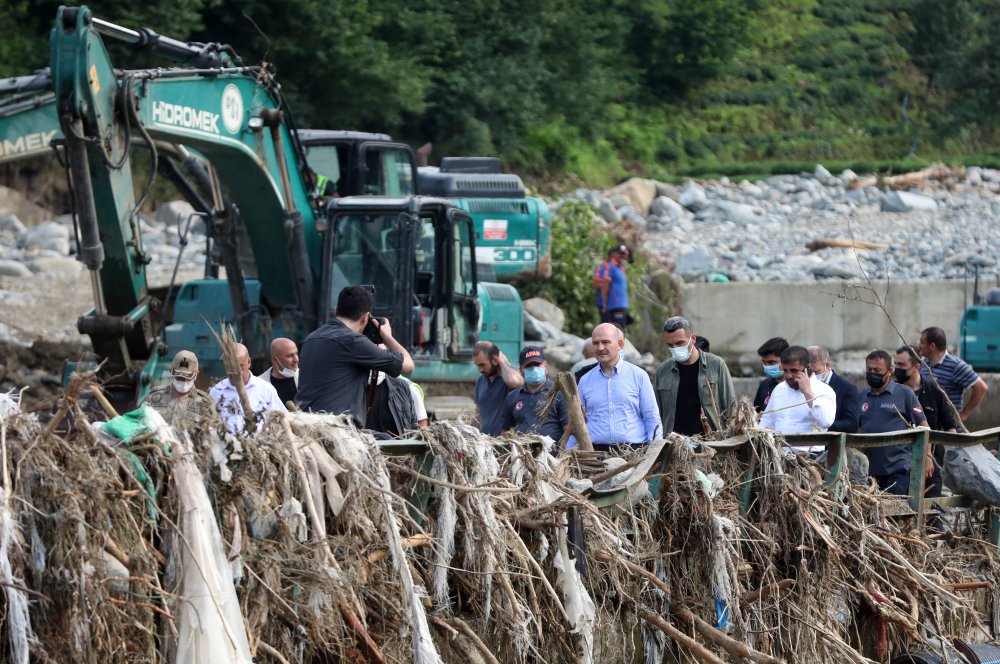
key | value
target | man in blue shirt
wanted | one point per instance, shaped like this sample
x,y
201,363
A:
x,y
617,396
521,412
496,378
889,406
951,373
612,289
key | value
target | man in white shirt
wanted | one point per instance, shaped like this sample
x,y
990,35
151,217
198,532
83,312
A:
x,y
800,403
261,394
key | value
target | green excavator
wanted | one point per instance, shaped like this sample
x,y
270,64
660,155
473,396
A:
x,y
221,132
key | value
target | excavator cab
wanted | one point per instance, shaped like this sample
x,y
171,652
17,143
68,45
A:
x,y
419,255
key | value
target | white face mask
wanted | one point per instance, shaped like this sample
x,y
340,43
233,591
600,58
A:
x,y
183,386
681,354
289,373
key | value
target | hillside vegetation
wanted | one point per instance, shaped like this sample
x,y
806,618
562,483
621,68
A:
x,y
599,89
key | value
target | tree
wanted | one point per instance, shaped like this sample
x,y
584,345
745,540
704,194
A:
x,y
680,44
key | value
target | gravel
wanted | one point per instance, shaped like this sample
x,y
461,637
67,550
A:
x,y
757,231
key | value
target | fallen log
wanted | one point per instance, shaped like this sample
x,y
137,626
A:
x,y
838,243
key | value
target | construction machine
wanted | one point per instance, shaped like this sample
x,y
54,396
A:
x,y
221,132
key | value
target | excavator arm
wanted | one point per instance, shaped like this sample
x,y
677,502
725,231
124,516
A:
x,y
213,110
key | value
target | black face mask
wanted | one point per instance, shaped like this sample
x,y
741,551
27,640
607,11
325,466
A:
x,y
875,379
901,375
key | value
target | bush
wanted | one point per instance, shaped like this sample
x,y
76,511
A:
x,y
583,242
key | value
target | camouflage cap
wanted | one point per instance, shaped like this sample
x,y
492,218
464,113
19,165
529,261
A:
x,y
185,365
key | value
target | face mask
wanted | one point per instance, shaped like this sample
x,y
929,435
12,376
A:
x,y
534,375
621,355
681,354
874,379
288,373
772,370
901,375
183,386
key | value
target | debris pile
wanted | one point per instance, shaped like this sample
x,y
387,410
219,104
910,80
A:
x,y
127,540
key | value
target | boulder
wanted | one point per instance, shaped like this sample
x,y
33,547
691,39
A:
x,y
838,267
668,208
15,203
536,330
620,201
9,268
907,201
739,213
806,261
693,197
696,263
11,227
974,472
974,176
61,266
561,357
48,235
543,310
608,211
173,213
822,174
639,191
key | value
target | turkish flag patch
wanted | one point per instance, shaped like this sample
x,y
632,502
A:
x,y
864,407
519,405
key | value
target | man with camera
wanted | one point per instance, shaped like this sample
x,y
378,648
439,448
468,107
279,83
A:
x,y
337,359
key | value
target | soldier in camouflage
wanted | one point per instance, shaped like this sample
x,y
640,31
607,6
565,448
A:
x,y
181,403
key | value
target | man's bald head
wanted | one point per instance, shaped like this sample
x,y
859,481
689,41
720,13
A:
x,y
608,341
243,357
284,355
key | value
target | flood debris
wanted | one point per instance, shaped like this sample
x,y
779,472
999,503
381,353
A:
x,y
129,540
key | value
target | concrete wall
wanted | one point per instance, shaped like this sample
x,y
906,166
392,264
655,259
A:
x,y
738,317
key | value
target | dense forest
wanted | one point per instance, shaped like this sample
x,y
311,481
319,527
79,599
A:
x,y
599,89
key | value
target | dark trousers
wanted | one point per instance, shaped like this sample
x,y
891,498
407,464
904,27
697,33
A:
x,y
898,483
619,317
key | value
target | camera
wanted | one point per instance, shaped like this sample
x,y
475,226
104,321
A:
x,y
372,330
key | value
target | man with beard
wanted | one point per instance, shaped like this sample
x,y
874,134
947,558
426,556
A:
x,y
800,403
497,377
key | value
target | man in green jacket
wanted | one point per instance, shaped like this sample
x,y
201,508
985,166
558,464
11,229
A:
x,y
690,383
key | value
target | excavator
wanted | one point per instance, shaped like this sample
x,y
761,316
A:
x,y
221,132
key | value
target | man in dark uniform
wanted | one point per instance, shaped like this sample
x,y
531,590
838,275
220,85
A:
x,y
940,415
181,403
521,411
337,359
888,406
496,378
770,356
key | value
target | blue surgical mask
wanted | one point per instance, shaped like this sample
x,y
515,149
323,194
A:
x,y
682,353
772,370
534,375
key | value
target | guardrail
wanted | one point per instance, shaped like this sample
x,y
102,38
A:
x,y
922,441
836,445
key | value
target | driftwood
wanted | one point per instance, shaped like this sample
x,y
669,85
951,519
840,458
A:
x,y
916,178
837,243
566,384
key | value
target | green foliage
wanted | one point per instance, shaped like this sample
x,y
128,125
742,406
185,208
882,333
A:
x,y
600,89
581,243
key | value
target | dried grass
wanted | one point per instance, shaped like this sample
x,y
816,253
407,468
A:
x,y
483,551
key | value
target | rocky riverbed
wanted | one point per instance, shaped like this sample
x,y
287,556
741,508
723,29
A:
x,y
938,223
